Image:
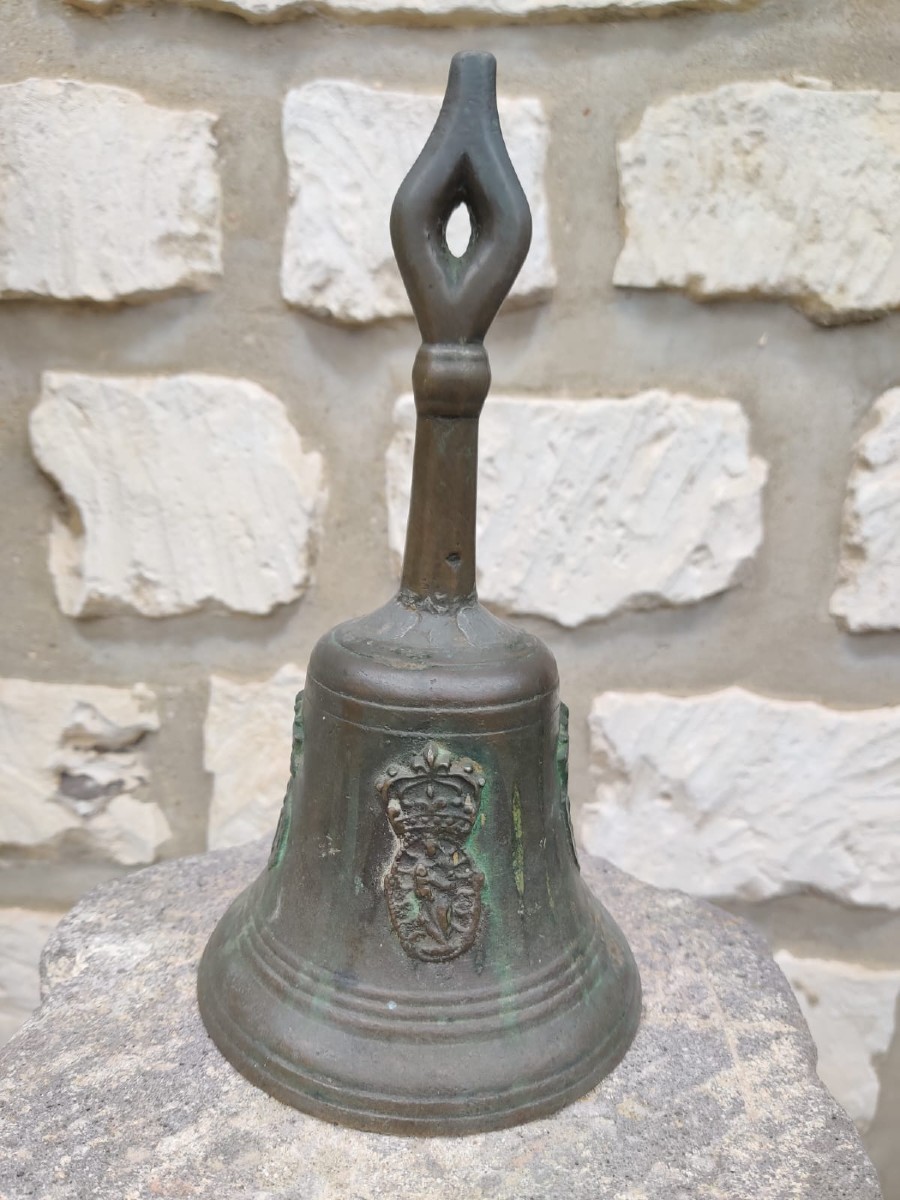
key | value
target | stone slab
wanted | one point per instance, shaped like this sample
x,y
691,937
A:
x,y
590,507
867,597
73,772
443,12
850,1010
113,1090
104,196
247,748
184,492
747,796
761,190
23,934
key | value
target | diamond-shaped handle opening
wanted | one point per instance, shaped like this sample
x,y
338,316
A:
x,y
465,161
459,231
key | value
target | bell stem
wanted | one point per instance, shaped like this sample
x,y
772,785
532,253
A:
x,y
439,562
450,383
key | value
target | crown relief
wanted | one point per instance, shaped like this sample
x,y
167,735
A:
x,y
432,888
432,793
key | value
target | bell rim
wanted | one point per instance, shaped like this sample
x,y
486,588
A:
x,y
477,1109
462,1116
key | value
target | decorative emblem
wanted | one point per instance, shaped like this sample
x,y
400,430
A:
x,y
433,890
279,842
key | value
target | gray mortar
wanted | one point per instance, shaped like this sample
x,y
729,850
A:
x,y
113,1090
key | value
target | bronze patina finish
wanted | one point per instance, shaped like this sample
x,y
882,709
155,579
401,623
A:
x,y
421,955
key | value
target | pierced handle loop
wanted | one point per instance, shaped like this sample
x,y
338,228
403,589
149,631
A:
x,y
465,162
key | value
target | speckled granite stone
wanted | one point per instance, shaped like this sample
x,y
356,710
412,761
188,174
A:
x,y
113,1090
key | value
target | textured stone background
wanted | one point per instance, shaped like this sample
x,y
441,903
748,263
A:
x,y
716,269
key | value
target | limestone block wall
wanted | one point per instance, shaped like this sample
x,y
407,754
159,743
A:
x,y
690,471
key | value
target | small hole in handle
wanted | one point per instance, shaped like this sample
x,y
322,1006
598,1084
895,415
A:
x,y
453,560
458,232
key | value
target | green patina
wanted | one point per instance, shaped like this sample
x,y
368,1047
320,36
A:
x,y
478,848
483,850
279,842
550,899
562,774
518,843
297,735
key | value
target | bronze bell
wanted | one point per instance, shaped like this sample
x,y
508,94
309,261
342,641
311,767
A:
x,y
421,955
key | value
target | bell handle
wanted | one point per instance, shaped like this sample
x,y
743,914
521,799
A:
x,y
464,162
455,299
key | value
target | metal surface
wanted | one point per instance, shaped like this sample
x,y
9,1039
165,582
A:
x,y
421,955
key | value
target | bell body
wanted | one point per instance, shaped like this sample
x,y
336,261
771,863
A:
x,y
421,955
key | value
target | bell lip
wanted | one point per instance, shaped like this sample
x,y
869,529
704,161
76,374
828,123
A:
x,y
450,1115
469,1117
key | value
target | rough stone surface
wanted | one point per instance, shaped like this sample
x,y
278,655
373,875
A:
x,y
113,1090
72,770
867,597
186,492
441,12
102,195
761,189
738,795
588,507
247,747
348,148
23,933
850,1010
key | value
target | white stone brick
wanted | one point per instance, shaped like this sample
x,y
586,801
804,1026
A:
x,y
766,190
850,1012
23,933
187,492
589,507
348,148
868,595
733,794
72,769
102,195
247,748
443,12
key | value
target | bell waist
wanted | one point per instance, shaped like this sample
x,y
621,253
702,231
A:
x,y
413,1016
